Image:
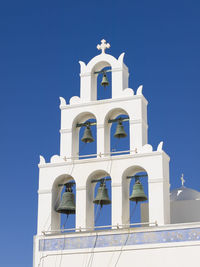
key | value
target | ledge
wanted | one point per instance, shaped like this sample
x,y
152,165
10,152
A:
x,y
99,159
104,101
118,238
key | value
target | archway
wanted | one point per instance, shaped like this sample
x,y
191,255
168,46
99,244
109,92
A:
x,y
104,92
80,123
98,212
115,144
63,218
131,201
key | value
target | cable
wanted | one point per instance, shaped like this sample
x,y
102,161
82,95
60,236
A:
x,y
98,214
92,253
130,217
63,226
122,248
61,254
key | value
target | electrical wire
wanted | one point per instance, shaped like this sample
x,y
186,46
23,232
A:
x,y
92,253
121,250
129,219
61,252
63,226
98,214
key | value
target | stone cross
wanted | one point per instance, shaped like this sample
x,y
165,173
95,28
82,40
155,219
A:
x,y
103,46
182,179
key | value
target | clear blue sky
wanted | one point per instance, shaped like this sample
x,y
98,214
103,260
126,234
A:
x,y
41,43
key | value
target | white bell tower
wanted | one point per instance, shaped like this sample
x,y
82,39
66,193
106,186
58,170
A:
x,y
69,166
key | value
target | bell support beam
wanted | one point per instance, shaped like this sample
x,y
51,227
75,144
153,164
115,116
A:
x,y
118,119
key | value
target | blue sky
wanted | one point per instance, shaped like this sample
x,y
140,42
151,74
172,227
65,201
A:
x,y
41,43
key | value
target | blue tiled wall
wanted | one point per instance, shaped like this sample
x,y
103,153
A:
x,y
110,240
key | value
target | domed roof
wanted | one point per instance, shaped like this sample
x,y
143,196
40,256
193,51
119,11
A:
x,y
184,193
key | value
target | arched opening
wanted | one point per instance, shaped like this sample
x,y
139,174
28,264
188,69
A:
x,y
98,204
84,142
135,196
104,84
120,128
117,132
64,202
88,140
101,72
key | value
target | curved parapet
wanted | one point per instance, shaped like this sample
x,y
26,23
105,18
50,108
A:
x,y
62,101
56,159
121,58
82,66
146,149
128,92
160,146
42,160
75,100
139,90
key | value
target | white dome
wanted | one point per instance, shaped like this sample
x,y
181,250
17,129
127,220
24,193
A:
x,y
184,193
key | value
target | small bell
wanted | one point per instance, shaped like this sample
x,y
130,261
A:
x,y
138,193
67,204
102,197
120,133
87,136
104,81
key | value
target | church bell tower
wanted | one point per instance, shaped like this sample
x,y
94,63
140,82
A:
x,y
53,245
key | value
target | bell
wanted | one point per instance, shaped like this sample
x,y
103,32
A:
x,y
87,136
67,204
120,133
102,197
104,81
138,192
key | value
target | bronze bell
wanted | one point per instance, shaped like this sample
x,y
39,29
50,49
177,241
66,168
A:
x,y
102,197
104,81
87,136
138,192
120,133
67,204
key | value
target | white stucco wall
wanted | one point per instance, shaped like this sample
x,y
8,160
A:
x,y
174,253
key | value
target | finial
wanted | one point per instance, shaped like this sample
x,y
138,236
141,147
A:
x,y
182,179
103,46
